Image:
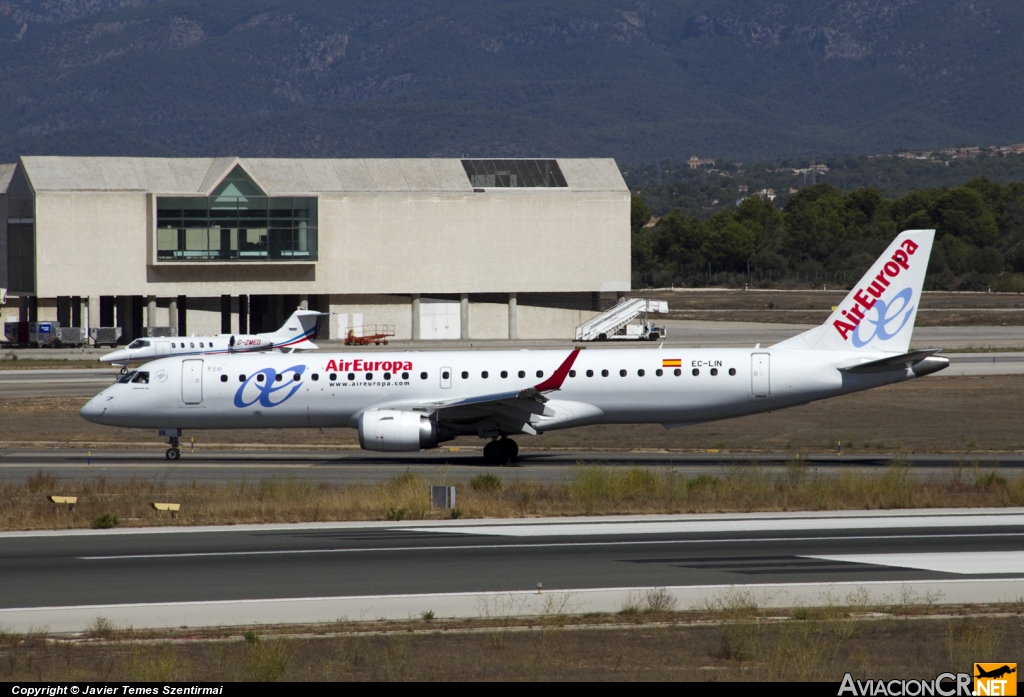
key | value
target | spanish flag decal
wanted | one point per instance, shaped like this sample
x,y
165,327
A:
x,y
671,362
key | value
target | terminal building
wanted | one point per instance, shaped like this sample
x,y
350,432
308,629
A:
x,y
433,248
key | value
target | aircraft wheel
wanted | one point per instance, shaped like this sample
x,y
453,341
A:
x,y
385,342
124,370
173,454
509,451
491,453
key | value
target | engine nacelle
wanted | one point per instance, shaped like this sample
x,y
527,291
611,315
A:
x,y
393,431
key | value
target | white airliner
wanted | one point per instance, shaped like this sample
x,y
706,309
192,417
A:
x,y
414,400
293,335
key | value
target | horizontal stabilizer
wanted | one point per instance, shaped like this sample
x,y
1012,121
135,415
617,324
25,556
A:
x,y
888,363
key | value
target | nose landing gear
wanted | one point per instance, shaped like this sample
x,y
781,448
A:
x,y
503,451
173,452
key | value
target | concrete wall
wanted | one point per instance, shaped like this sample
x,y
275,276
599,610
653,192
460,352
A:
x,y
374,309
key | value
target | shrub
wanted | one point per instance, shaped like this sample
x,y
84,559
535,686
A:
x,y
105,521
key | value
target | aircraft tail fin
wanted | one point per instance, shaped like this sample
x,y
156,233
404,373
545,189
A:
x,y
297,331
878,314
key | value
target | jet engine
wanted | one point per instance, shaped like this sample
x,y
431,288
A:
x,y
390,430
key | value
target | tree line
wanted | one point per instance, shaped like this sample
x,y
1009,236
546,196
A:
x,y
822,236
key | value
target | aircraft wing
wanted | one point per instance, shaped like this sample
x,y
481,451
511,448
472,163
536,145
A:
x,y
511,409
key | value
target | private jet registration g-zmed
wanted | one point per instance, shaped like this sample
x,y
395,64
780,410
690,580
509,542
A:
x,y
410,401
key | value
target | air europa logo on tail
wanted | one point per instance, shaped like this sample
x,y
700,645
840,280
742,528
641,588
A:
x,y
360,364
866,300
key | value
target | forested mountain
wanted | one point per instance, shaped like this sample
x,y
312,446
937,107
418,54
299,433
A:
x,y
639,81
825,237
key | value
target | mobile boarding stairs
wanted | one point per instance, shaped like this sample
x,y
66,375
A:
x,y
615,322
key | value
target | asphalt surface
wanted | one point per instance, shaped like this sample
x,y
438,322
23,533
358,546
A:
x,y
331,560
439,466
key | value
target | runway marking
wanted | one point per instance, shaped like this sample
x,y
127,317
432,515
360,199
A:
x,y
541,545
964,563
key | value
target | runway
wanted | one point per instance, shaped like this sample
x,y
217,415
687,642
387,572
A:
x,y
316,572
86,382
361,467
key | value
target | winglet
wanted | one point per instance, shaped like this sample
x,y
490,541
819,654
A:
x,y
555,381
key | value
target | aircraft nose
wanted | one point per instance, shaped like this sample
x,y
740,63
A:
x,y
95,408
113,356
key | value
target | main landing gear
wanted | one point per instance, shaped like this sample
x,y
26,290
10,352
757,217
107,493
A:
x,y
503,451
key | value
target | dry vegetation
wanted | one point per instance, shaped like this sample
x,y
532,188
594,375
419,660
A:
x,y
940,414
734,641
587,490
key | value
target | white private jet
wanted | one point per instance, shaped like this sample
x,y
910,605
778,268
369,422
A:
x,y
293,335
414,400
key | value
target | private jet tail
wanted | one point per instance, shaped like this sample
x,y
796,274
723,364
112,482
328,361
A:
x,y
296,331
878,314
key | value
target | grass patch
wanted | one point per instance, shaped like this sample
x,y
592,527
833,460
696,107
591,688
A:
x,y
585,490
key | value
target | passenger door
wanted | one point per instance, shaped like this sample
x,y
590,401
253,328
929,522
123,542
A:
x,y
192,381
760,382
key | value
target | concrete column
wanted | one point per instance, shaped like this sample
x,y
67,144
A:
x,y
172,316
93,318
151,311
243,314
182,315
464,315
225,314
513,311
415,316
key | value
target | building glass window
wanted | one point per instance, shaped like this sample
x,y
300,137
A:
x,y
509,174
238,222
21,256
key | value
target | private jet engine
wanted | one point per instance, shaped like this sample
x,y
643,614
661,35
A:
x,y
393,431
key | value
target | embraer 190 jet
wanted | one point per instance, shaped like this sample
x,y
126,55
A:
x,y
411,401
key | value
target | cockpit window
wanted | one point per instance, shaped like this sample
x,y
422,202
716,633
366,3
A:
x,y
127,377
139,343
141,378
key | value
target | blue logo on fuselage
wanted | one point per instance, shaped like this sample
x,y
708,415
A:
x,y
266,390
886,315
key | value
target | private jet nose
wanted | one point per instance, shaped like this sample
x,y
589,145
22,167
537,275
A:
x,y
96,407
119,356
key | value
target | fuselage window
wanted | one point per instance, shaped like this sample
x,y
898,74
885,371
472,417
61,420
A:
x,y
423,376
677,372
696,371
200,344
405,376
604,373
387,376
296,377
445,375
465,375
590,373
640,372
622,373
732,371
334,376
659,372
714,371
504,373
484,375
278,377
223,378
572,373
369,376
351,376
259,378
540,373
172,344
141,378
315,377
241,378
522,373
192,344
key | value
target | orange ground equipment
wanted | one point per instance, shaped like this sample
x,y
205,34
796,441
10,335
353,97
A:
x,y
369,334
